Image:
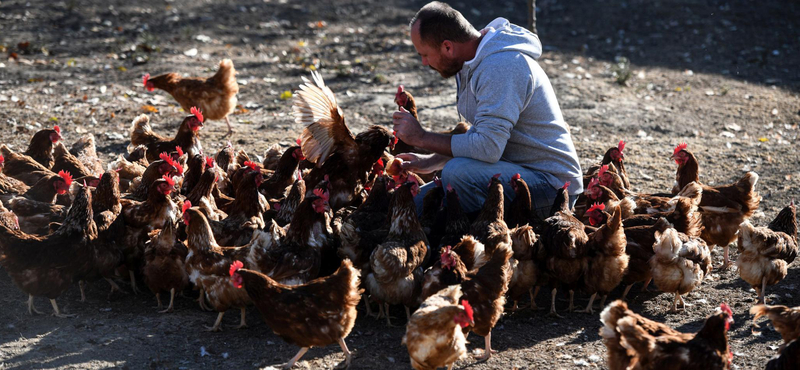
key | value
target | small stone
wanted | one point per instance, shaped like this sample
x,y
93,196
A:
x,y
688,72
709,93
775,111
191,52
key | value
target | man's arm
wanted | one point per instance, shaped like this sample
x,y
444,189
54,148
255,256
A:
x,y
408,129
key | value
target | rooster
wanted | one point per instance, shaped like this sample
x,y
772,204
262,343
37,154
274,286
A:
x,y
396,264
680,263
47,265
187,137
434,335
326,141
707,349
766,252
315,314
723,207
215,96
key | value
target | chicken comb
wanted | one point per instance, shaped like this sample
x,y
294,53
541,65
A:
x,y
496,176
197,113
516,176
593,182
178,167
235,266
209,162
595,206
603,170
380,162
467,308
321,193
400,89
145,78
253,166
66,176
186,205
179,150
2,159
621,145
165,157
169,180
57,129
725,308
566,185
298,141
678,148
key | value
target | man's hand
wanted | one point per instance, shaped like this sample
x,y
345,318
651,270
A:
x,y
423,163
407,128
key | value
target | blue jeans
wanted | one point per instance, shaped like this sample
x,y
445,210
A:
x,y
471,177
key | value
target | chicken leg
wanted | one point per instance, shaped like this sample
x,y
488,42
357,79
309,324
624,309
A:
x,y
133,283
81,286
217,324
627,289
553,304
571,300
243,323
158,299
388,317
56,312
171,301
31,307
762,291
533,293
646,284
294,359
348,357
675,303
114,287
230,129
589,309
487,351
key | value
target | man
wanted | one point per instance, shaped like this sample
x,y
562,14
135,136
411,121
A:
x,y
517,126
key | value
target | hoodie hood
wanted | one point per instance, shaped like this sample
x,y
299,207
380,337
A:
x,y
500,36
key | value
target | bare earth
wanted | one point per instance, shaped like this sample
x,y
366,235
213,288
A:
x,y
719,75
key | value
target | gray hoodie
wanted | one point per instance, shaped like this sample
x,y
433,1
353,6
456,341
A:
x,y
508,99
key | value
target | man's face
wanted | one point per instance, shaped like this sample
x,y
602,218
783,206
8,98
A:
x,y
441,59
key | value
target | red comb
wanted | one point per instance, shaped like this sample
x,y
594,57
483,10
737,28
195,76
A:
x,y
321,193
186,205
400,89
380,162
678,148
235,266
593,182
197,113
209,162
165,157
516,177
66,176
467,308
58,129
725,308
496,176
145,78
603,170
299,141
179,150
621,145
178,168
253,166
2,159
595,206
566,185
169,180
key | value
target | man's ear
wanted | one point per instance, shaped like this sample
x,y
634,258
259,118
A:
x,y
447,48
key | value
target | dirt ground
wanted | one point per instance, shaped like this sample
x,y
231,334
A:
x,y
719,75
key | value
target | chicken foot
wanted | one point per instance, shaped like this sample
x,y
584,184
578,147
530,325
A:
x,y
243,323
533,293
589,308
133,283
675,303
388,317
294,359
57,313
31,307
114,287
488,351
727,260
217,324
348,357
625,293
553,304
171,301
230,129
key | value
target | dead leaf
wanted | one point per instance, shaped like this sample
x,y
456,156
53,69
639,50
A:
x,y
149,109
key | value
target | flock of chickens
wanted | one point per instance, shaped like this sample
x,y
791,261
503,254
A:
x,y
316,228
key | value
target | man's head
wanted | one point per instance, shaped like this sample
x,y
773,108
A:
x,y
442,36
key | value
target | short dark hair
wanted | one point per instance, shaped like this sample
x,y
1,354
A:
x,y
438,22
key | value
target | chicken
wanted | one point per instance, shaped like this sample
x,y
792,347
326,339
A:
x,y
597,193
619,357
22,167
164,269
680,263
201,194
186,138
155,210
489,227
457,223
527,273
65,161
396,264
367,223
434,335
46,265
789,357
207,265
766,252
327,142
195,167
433,217
707,349
166,166
285,209
614,156
520,211
723,207
315,314
272,155
9,186
684,217
85,150
607,261
129,170
564,241
294,255
49,187
639,247
486,288
284,175
40,149
215,96
785,320
245,214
